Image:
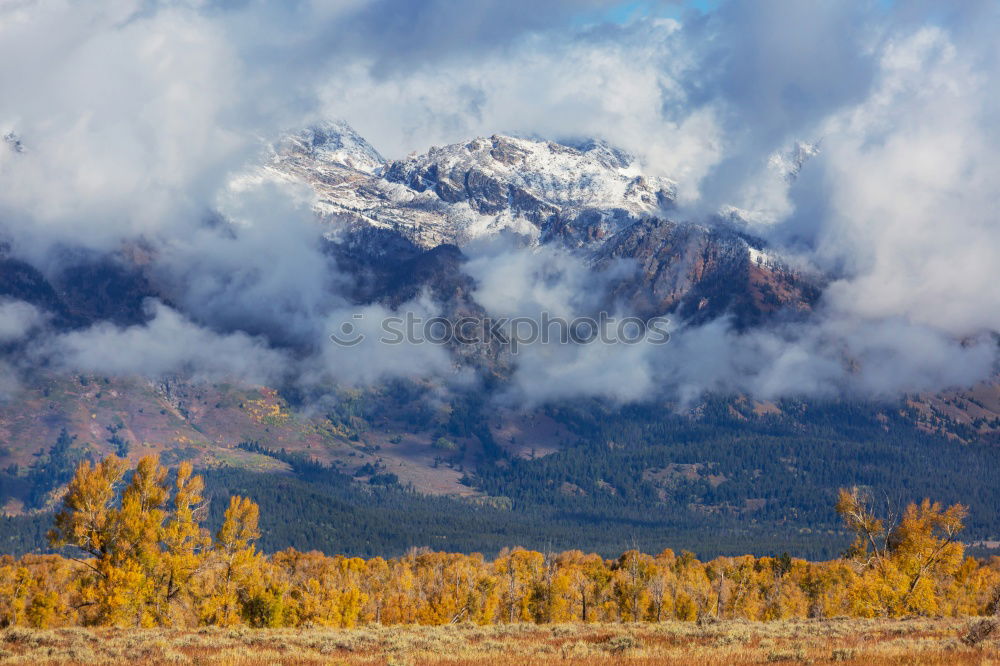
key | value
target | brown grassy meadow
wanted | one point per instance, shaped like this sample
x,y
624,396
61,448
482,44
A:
x,y
842,641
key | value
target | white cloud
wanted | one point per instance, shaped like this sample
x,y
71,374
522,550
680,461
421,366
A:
x,y
168,344
914,190
133,115
17,319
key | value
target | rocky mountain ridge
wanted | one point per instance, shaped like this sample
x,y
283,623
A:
x,y
454,194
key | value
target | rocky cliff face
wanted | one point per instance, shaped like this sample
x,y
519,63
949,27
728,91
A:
x,y
701,273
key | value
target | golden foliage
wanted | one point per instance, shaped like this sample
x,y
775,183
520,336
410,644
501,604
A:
x,y
147,562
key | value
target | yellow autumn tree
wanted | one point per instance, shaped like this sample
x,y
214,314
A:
x,y
517,569
141,550
633,572
115,588
905,565
185,544
237,564
588,579
33,591
927,552
15,593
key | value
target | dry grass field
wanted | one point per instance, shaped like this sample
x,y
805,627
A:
x,y
847,641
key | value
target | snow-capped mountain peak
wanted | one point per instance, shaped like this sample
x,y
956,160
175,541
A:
x,y
790,162
554,174
332,143
576,194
